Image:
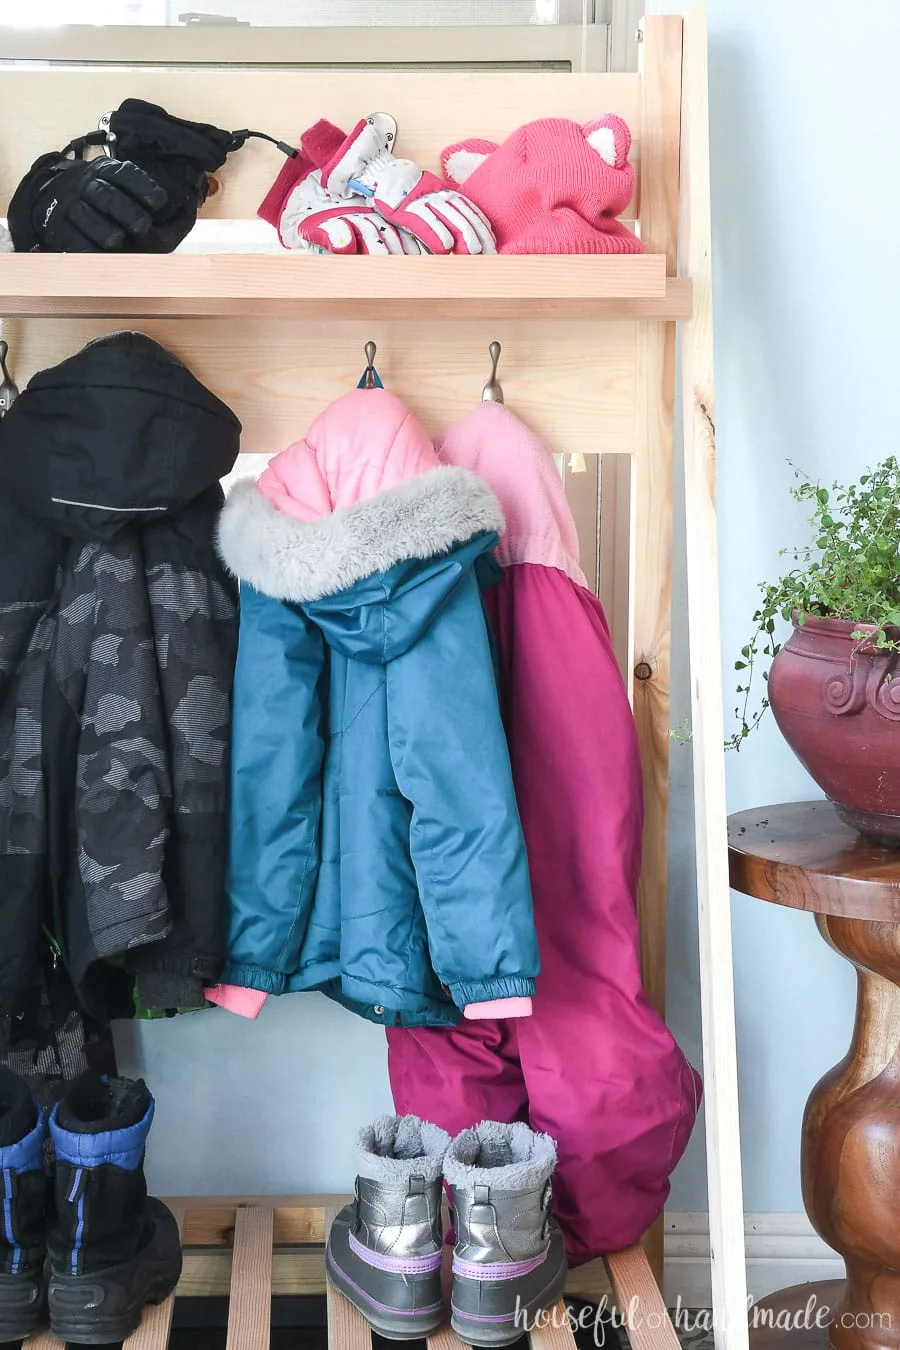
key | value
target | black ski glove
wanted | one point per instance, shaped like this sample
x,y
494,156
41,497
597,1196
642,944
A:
x,y
77,206
179,155
145,200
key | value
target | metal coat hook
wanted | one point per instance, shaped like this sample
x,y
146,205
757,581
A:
x,y
108,146
9,390
493,390
370,379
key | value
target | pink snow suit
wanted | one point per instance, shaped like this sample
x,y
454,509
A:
x,y
594,1066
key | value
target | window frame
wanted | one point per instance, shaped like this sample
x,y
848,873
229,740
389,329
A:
x,y
607,43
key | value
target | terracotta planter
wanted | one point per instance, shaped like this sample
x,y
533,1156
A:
x,y
837,704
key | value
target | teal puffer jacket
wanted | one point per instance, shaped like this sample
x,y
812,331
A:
x,y
376,850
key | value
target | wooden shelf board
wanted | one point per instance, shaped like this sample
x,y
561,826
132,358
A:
x,y
300,1226
271,285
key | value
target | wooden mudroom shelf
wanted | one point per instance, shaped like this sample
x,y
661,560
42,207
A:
x,y
592,390
270,285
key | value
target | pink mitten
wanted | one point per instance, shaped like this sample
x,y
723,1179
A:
x,y
440,217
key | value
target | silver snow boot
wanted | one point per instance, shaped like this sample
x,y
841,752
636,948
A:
x,y
384,1249
509,1261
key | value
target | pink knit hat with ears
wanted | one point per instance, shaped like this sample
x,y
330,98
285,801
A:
x,y
552,186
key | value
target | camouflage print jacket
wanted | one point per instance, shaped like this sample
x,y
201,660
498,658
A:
x,y
118,630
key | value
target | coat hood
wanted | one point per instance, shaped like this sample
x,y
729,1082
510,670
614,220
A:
x,y
361,494
121,434
492,442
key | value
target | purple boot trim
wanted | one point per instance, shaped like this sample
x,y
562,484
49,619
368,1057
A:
x,y
373,1302
498,1270
396,1265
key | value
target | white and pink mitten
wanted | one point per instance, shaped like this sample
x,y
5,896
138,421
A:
x,y
441,218
315,218
310,219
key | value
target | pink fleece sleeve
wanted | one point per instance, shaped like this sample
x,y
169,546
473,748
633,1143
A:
x,y
498,1008
234,998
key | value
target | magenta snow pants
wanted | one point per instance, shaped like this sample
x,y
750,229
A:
x,y
594,1066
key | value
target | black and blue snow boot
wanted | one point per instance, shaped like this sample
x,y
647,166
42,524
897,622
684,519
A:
x,y
112,1249
23,1209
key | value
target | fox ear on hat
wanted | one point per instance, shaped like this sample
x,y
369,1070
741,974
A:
x,y
610,137
460,161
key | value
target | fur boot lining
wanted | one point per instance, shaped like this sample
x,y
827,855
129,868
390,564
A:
x,y
300,560
395,1148
509,1157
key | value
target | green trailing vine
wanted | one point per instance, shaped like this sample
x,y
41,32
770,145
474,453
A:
x,y
851,571
682,734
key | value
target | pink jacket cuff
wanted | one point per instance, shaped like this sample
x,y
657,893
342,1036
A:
x,y
231,997
498,1008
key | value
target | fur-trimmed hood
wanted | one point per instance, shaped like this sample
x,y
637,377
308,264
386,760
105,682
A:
x,y
363,492
302,561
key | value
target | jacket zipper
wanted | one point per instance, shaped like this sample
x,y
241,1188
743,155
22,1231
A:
x,y
55,948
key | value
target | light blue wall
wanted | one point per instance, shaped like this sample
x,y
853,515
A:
x,y
247,1108
805,105
805,111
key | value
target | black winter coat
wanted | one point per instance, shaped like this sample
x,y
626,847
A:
x,y
118,631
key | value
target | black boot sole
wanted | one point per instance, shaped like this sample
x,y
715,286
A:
x,y
18,1331
106,1305
22,1306
81,1325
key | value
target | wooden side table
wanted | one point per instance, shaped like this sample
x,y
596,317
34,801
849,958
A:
x,y
803,856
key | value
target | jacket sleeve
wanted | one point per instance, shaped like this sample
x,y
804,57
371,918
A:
x,y
110,770
27,582
276,786
451,762
193,611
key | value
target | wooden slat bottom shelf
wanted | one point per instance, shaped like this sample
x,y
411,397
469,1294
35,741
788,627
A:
x,y
250,1249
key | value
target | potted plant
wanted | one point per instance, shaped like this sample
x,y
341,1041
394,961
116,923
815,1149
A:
x,y
832,686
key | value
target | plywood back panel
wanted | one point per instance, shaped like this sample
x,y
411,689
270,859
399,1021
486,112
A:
x,y
574,383
432,111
